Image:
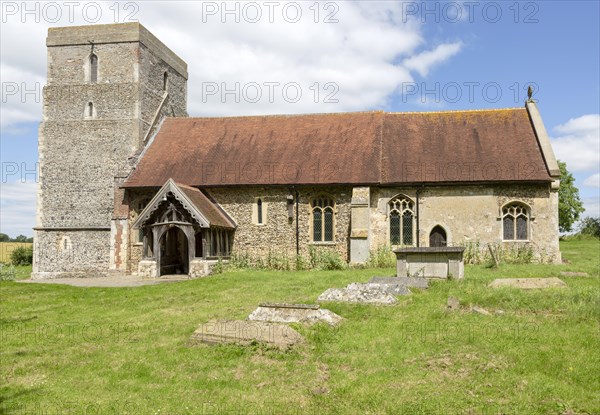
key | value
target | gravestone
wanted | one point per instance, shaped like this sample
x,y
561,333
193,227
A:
x,y
245,332
528,283
294,313
368,293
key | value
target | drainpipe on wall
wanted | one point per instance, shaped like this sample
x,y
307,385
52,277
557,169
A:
x,y
297,226
419,190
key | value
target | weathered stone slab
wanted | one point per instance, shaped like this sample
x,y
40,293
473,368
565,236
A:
x,y
528,283
406,281
394,289
350,296
479,310
287,305
246,332
574,274
368,293
288,313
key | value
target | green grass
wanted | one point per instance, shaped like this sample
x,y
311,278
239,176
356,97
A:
x,y
125,350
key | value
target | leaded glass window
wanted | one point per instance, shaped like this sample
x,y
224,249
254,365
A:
x,y
509,227
322,215
401,231
407,228
328,225
521,228
395,228
515,222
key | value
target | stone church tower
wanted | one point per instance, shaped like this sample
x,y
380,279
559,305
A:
x,y
109,87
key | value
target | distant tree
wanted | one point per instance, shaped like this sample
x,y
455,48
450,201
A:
x,y
569,204
20,238
30,239
4,237
590,226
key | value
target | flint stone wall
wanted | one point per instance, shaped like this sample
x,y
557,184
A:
x,y
71,253
277,236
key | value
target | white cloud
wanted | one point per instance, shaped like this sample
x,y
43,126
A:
x,y
367,54
424,61
592,181
364,54
17,208
21,97
577,143
592,207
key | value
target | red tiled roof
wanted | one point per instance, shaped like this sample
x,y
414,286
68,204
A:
x,y
209,209
461,146
350,148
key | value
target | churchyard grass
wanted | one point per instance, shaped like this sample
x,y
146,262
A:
x,y
125,350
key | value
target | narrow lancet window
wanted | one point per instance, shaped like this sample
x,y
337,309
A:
x,y
259,211
93,68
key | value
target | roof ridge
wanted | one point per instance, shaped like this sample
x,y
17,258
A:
x,y
281,115
455,111
384,113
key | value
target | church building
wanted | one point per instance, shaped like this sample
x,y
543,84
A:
x,y
130,184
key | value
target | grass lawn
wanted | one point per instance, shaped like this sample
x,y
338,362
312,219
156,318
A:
x,y
125,350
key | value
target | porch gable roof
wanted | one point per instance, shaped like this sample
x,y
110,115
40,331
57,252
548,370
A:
x,y
203,210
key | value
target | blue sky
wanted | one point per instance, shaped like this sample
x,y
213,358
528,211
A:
x,y
379,55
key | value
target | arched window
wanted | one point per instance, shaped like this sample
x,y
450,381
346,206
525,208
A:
x,y
437,237
259,211
401,221
322,219
93,68
515,222
165,81
90,110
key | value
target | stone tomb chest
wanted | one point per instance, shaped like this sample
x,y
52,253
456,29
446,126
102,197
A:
x,y
430,262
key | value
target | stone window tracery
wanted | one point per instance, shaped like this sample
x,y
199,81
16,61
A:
x,y
322,209
515,222
402,219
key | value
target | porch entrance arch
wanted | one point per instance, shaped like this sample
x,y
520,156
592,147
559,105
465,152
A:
x,y
174,252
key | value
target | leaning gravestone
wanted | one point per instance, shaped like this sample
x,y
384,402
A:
x,y
528,283
294,313
245,332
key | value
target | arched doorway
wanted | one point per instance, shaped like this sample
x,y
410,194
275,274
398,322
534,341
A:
x,y
437,237
174,256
